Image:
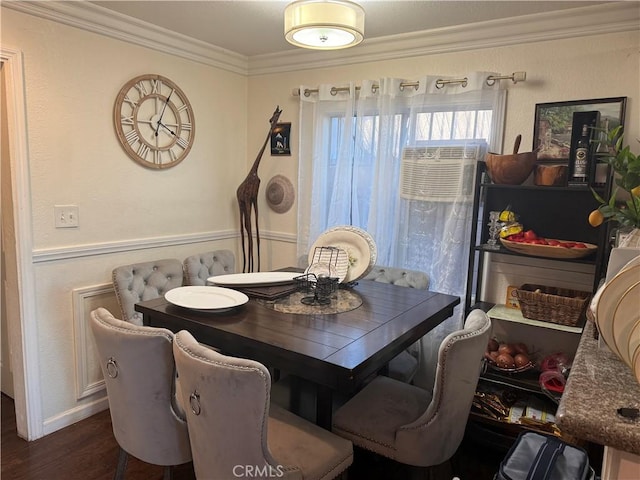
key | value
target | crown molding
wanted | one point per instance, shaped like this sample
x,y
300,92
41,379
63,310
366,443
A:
x,y
598,19
576,22
96,19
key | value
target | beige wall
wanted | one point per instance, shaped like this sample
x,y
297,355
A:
x,y
572,69
72,78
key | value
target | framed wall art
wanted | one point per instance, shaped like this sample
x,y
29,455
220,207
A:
x,y
553,125
280,139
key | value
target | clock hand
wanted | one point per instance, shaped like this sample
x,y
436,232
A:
x,y
162,112
160,124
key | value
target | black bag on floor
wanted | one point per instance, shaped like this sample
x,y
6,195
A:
x,y
535,456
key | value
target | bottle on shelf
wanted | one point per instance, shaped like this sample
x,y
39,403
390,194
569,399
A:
x,y
581,159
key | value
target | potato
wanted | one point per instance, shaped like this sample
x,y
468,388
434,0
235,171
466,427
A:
x,y
521,348
504,360
521,360
506,348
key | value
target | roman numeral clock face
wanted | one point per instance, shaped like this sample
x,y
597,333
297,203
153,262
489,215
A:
x,y
154,121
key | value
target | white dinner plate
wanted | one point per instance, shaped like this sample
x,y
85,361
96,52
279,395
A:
x,y
636,364
359,245
254,279
634,340
593,305
609,298
625,316
631,263
206,298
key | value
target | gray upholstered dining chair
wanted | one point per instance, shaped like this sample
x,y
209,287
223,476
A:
x,y
401,277
199,267
413,426
404,366
139,373
144,281
233,427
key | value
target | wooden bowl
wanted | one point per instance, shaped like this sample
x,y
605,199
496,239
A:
x,y
551,175
549,251
510,169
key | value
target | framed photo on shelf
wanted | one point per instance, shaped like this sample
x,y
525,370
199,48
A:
x,y
280,139
553,125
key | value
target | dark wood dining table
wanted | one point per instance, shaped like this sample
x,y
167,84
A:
x,y
336,352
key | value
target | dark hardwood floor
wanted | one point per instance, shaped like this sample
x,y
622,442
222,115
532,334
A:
x,y
87,450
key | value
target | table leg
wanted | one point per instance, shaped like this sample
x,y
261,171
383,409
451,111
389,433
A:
x,y
324,407
294,394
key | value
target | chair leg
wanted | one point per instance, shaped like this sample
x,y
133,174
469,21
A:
x,y
123,457
294,394
168,473
443,471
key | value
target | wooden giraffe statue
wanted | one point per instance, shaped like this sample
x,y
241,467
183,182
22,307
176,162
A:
x,y
247,194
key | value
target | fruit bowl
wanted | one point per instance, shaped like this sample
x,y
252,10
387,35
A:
x,y
550,251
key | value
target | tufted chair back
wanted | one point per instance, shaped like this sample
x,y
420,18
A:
x,y
144,281
199,267
139,372
409,424
399,276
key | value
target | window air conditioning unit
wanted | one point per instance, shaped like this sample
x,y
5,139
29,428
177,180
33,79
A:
x,y
443,173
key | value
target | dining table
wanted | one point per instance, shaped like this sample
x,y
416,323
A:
x,y
337,352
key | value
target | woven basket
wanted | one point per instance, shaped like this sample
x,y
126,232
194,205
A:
x,y
550,304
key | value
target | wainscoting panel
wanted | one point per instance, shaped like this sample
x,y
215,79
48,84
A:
x,y
88,375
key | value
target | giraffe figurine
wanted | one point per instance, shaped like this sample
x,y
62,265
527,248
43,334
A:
x,y
247,195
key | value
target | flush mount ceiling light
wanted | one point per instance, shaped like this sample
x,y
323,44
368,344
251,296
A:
x,y
324,24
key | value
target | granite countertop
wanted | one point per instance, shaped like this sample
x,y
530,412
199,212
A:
x,y
599,384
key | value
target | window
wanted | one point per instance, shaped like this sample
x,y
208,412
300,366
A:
x,y
430,127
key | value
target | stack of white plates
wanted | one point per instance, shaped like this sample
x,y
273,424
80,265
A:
x,y
358,257
617,314
253,279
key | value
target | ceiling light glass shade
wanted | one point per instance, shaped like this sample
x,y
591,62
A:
x,y
324,24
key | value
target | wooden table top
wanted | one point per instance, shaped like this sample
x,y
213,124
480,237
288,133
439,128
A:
x,y
334,350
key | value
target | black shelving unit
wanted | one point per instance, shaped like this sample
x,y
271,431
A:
x,y
552,212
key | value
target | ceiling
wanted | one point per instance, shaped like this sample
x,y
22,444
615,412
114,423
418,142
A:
x,y
256,27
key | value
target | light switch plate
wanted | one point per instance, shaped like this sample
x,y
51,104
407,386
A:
x,y
66,216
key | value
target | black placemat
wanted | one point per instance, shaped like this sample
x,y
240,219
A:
x,y
271,292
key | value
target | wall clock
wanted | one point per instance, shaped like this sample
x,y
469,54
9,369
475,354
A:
x,y
154,121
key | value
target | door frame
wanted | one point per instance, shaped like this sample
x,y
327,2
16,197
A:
x,y
22,332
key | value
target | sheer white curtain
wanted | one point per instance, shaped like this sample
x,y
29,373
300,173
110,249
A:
x,y
351,148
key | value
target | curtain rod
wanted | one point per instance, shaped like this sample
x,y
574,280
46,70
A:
x,y
515,77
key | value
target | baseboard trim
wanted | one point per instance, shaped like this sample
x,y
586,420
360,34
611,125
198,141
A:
x,y
75,415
